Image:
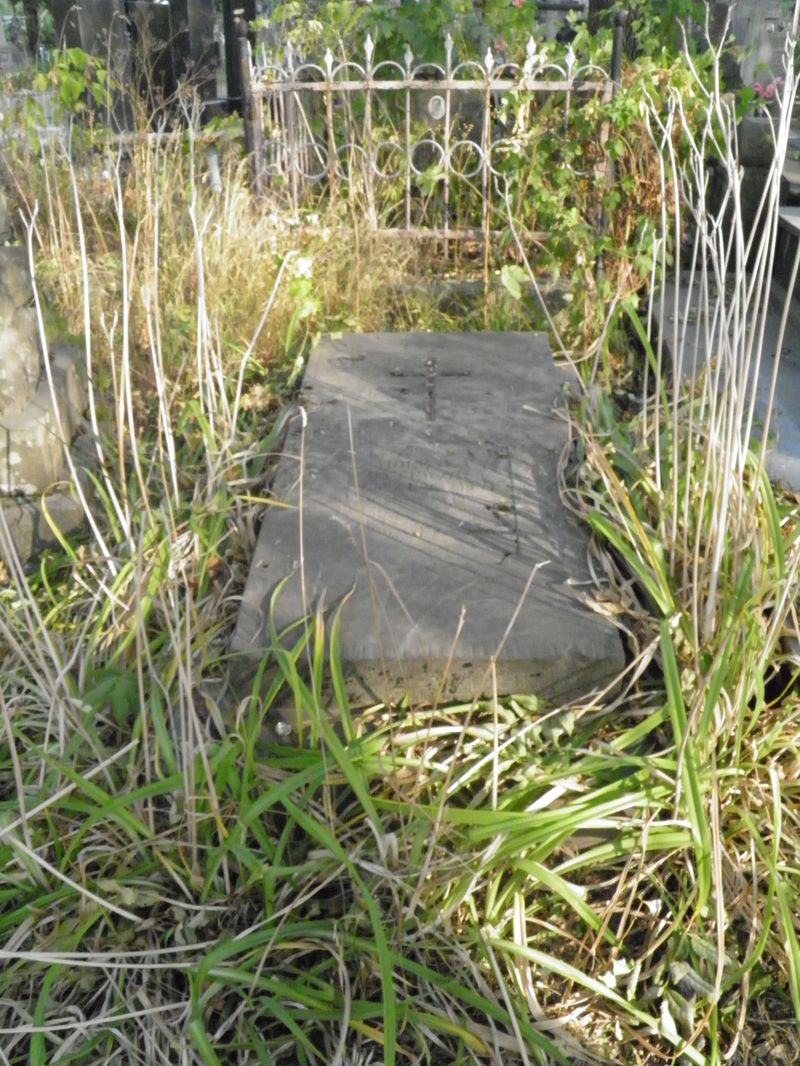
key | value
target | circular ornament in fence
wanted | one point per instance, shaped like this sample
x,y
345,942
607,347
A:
x,y
351,161
424,155
388,161
311,161
466,159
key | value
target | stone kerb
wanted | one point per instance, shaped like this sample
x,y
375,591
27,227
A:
x,y
40,414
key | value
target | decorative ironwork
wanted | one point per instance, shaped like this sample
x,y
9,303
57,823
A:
x,y
428,135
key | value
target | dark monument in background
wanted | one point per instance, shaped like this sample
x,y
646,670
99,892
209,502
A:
x,y
154,45
157,46
99,27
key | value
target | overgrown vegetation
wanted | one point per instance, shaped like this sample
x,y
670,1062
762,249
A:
x,y
500,882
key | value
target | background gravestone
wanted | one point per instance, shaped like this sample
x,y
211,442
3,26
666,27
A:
x,y
100,28
755,56
12,55
157,45
36,423
758,29
154,52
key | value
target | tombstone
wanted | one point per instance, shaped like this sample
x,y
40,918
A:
x,y
758,29
100,28
682,301
231,10
36,422
153,51
195,49
553,16
12,56
177,40
426,500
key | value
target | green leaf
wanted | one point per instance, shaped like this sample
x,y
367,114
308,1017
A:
x,y
690,775
513,277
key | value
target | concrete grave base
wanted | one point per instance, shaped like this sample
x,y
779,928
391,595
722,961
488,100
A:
x,y
421,482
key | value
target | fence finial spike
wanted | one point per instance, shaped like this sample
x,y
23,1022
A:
x,y
489,60
533,59
448,47
289,56
369,49
329,62
571,59
408,58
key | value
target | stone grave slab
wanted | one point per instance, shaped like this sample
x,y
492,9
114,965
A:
x,y
421,480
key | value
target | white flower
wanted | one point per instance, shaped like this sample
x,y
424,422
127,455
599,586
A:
x,y
304,267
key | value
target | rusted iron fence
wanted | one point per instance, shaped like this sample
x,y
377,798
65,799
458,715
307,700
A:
x,y
420,147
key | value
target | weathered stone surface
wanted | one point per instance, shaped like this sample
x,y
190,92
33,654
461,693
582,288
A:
x,y
19,349
62,511
427,496
69,375
6,229
28,525
41,402
15,278
20,516
20,361
758,29
32,440
755,140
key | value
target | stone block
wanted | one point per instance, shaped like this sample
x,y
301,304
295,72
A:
x,y
69,372
31,520
682,303
31,449
15,276
20,362
20,517
7,305
32,440
6,229
62,510
755,141
428,495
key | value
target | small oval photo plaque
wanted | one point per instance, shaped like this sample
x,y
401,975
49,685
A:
x,y
436,108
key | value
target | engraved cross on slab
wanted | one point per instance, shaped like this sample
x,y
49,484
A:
x,y
431,373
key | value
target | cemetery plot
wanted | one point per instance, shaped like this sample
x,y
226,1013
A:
x,y
421,479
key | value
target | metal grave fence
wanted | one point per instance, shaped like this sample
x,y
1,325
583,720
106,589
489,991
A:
x,y
421,145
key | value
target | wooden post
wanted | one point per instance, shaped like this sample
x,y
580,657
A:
x,y
253,131
609,166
